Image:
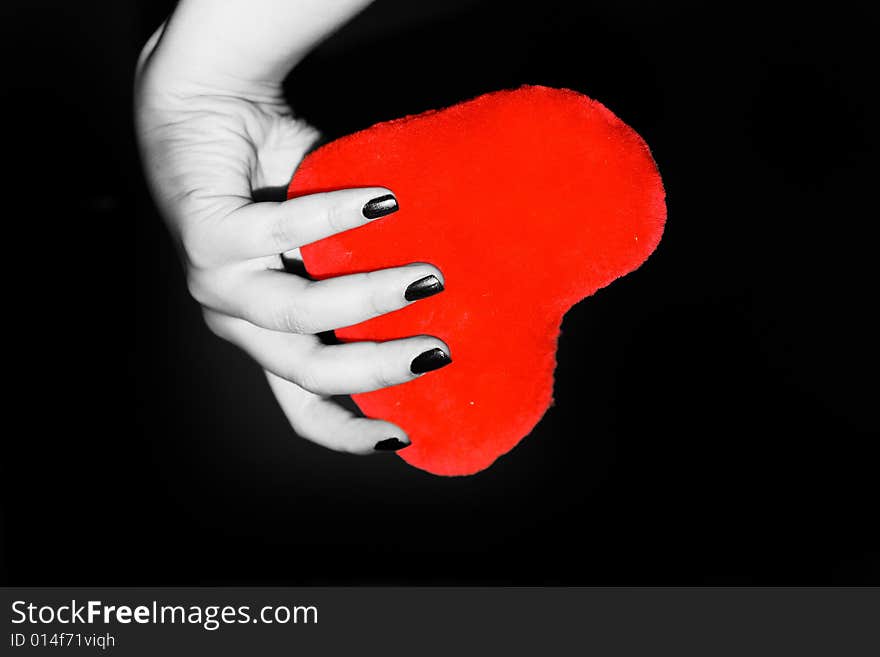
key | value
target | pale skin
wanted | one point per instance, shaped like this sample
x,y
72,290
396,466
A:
x,y
213,126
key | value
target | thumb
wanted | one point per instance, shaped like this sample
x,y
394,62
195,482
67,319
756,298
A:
x,y
284,144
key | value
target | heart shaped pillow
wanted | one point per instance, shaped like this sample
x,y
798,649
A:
x,y
528,201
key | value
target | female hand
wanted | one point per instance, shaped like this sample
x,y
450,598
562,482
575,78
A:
x,y
213,128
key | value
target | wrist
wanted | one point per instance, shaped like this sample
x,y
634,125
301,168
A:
x,y
246,46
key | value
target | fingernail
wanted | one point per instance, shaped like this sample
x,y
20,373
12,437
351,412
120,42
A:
x,y
431,360
390,445
423,288
380,206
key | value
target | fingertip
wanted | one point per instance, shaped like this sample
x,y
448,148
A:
x,y
430,360
371,192
433,342
426,280
424,353
386,437
427,269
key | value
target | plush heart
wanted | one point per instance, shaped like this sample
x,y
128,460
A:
x,y
527,201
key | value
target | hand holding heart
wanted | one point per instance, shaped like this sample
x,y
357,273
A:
x,y
482,190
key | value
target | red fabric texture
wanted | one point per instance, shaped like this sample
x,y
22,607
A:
x,y
528,201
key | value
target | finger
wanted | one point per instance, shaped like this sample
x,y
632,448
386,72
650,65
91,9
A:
x,y
262,229
330,425
334,369
283,302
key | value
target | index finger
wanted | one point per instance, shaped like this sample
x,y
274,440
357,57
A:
x,y
263,229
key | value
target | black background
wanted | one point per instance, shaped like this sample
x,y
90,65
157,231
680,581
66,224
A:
x,y
716,410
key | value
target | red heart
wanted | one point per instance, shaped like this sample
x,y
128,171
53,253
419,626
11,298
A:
x,y
527,201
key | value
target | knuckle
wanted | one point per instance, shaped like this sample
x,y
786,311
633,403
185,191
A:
x,y
194,243
336,217
281,234
383,379
382,375
289,319
214,324
382,303
197,256
195,284
376,304
301,417
306,372
309,378
379,301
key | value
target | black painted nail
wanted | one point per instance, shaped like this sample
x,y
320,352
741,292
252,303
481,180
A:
x,y
390,445
423,288
431,360
380,206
